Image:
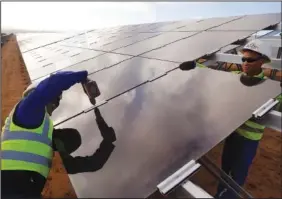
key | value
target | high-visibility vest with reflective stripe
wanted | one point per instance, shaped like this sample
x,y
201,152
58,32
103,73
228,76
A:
x,y
27,149
250,129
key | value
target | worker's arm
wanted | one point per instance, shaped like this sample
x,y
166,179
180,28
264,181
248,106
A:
x,y
31,110
268,72
99,158
91,163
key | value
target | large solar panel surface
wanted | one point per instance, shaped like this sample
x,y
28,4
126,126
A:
x,y
163,117
162,125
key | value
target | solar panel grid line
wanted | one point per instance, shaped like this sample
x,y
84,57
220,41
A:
x,y
65,67
48,44
252,22
129,44
82,62
215,25
109,66
199,43
69,118
105,51
125,45
159,46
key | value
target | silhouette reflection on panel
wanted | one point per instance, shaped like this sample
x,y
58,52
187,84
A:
x,y
68,140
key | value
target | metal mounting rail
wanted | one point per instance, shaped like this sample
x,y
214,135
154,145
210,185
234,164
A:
x,y
224,178
195,191
178,177
267,106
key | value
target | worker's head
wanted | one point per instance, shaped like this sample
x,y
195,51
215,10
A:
x,y
51,106
254,56
70,138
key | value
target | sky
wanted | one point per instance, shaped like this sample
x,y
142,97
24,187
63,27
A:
x,y
78,16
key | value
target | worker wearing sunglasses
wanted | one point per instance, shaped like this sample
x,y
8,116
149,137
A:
x,y
253,59
240,147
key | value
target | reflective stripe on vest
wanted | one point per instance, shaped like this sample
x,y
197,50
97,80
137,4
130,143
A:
x,y
27,149
251,130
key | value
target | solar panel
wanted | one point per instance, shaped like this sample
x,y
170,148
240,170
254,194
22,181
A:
x,y
127,41
160,126
153,43
173,26
65,59
196,46
112,82
207,23
252,22
98,63
91,65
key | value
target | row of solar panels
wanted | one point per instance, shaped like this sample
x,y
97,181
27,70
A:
x,y
152,54
176,47
250,22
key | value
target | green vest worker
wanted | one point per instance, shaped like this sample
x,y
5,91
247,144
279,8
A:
x,y
27,147
241,146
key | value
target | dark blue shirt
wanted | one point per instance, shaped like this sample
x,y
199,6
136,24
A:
x,y
30,111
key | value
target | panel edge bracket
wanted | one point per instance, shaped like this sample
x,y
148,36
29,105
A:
x,y
178,177
267,106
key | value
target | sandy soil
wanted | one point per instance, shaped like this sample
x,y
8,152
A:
x,y
264,178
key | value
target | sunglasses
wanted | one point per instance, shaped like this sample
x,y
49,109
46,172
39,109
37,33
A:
x,y
250,60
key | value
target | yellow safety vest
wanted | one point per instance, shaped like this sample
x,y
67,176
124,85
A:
x,y
27,149
249,129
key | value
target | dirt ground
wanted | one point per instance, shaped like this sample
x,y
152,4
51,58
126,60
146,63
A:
x,y
264,180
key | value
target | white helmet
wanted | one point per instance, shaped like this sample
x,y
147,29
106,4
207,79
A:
x,y
260,47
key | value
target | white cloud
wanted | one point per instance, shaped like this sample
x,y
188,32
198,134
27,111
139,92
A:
x,y
74,15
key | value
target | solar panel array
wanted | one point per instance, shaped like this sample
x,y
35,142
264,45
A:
x,y
162,116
